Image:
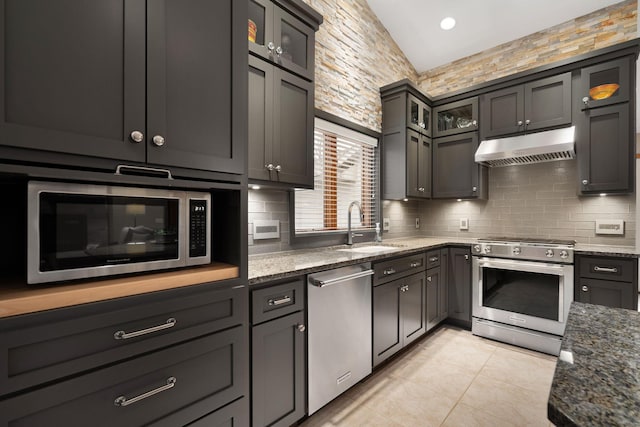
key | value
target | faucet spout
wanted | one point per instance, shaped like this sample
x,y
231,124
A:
x,y
349,233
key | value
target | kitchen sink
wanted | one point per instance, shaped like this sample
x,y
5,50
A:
x,y
369,249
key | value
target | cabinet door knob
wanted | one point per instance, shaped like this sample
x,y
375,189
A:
x,y
519,122
421,189
271,46
279,51
474,189
422,125
585,100
585,182
466,257
278,168
136,136
269,167
158,140
301,328
585,288
527,122
475,123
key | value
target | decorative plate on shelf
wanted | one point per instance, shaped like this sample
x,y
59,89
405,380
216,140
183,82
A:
x,y
603,91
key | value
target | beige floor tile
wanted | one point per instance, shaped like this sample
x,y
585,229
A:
x,y
464,350
463,415
343,412
525,370
506,401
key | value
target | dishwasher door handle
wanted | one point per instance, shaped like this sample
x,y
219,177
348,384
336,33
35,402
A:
x,y
329,282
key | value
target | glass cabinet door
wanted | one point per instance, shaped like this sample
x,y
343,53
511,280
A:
x,y
605,84
260,27
456,117
294,47
419,115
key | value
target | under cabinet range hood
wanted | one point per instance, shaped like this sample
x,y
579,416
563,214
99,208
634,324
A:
x,y
558,144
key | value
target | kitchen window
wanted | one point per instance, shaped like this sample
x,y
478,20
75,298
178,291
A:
x,y
345,170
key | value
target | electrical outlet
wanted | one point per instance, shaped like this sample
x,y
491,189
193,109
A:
x,y
464,223
417,222
386,224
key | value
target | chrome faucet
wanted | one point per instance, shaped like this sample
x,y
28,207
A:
x,y
351,235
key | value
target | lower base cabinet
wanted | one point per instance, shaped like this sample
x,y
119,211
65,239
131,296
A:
x,y
606,280
437,289
278,355
398,315
155,389
459,285
235,414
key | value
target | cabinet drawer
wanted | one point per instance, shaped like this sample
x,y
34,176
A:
x,y
608,268
433,259
398,267
142,390
69,341
278,300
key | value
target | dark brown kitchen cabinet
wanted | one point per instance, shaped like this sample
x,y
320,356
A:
x,y
167,358
537,105
118,82
616,72
456,117
610,281
280,126
406,145
459,286
605,146
278,355
283,38
398,315
455,172
437,296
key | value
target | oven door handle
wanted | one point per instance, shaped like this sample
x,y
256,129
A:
x,y
533,267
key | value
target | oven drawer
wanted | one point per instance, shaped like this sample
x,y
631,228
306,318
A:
x,y
398,267
277,300
142,390
607,268
72,340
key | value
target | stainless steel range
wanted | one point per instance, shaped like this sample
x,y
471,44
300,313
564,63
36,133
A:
x,y
522,290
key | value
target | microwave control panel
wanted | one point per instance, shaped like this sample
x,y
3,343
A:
x,y
197,228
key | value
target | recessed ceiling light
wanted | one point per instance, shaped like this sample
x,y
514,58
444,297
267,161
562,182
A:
x,y
447,23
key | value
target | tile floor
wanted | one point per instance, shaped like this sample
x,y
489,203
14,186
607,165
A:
x,y
451,378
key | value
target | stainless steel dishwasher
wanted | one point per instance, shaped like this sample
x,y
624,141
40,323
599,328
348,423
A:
x,y
339,331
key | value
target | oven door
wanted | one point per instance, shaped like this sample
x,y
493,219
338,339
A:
x,y
528,294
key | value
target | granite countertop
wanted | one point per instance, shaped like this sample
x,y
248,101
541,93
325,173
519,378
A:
x,y
281,265
597,377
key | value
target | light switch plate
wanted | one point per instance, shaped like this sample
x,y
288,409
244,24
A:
x,y
464,223
610,226
386,224
266,229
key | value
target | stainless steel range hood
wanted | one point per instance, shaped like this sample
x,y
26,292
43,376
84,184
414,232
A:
x,y
558,144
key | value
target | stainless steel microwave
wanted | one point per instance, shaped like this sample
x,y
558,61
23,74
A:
x,y
78,231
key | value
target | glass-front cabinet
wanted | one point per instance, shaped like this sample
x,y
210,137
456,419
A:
x,y
419,115
280,37
605,84
456,117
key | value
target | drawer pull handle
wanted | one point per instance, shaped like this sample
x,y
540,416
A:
x,y
415,264
433,259
285,299
301,328
123,401
122,335
388,271
605,269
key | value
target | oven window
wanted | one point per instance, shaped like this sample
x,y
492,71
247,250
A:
x,y
79,231
533,294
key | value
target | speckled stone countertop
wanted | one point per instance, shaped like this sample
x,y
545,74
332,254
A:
x,y
597,377
281,265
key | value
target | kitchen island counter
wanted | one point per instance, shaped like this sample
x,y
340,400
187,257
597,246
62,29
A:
x,y
597,377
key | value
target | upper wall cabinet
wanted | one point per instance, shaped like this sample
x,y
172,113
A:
x,y
418,115
541,104
134,81
605,84
456,117
281,38
455,172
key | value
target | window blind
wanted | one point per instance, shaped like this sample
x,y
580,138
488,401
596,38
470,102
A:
x,y
345,170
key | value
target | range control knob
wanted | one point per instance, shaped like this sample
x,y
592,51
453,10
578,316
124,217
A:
x,y
516,251
476,248
549,253
487,249
564,254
